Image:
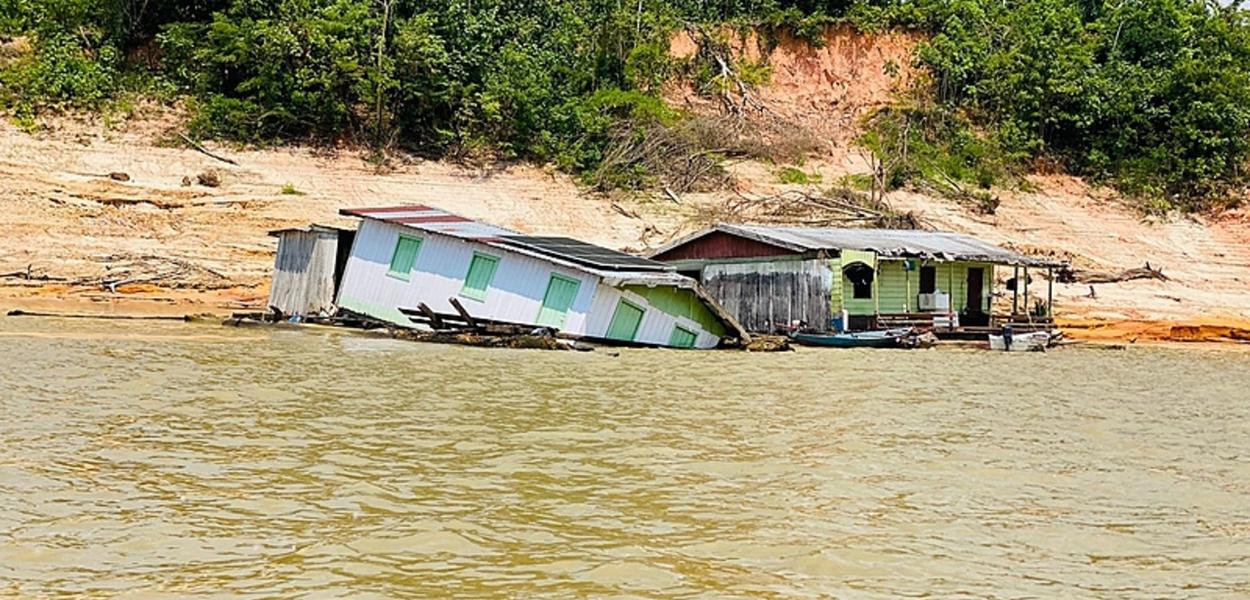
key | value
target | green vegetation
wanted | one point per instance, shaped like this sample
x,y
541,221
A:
x,y
289,189
1152,96
796,176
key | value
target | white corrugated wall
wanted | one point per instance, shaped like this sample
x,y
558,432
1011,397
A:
x,y
656,327
303,274
515,294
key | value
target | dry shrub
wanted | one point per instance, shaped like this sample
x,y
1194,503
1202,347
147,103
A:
x,y
689,156
836,207
675,157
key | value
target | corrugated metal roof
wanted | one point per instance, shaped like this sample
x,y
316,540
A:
x,y
310,229
427,218
889,243
435,220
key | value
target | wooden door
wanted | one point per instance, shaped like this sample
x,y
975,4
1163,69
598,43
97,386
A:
x,y
625,322
561,291
975,305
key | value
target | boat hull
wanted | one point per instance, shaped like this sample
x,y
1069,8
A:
x,y
867,339
1024,342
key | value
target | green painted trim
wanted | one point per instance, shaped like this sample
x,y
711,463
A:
x,y
682,338
385,313
621,329
488,263
548,314
680,302
396,270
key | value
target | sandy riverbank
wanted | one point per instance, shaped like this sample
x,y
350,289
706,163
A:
x,y
153,245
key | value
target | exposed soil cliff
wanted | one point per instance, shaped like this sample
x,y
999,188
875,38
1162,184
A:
x,y
153,244
821,91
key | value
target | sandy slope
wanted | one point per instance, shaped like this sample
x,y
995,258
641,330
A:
x,y
63,217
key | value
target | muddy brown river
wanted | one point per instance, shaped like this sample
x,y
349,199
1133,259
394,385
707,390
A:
x,y
153,460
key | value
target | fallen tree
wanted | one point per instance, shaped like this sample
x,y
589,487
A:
x,y
837,207
1070,275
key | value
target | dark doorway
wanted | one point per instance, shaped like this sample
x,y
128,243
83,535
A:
x,y
928,280
974,311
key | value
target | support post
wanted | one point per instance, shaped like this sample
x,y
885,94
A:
x,y
1026,291
876,290
951,309
907,287
1050,293
1015,291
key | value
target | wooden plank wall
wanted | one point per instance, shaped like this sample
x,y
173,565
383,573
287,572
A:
x,y
303,275
765,294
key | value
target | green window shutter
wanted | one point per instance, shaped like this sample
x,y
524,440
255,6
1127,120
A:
x,y
625,322
404,258
561,291
682,338
481,271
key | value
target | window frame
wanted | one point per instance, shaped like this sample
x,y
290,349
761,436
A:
x,y
694,336
399,242
577,289
642,315
932,269
473,293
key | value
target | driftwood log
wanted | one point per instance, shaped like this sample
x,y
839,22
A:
x,y
1069,275
201,149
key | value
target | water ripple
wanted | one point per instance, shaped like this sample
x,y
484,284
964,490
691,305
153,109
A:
x,y
179,461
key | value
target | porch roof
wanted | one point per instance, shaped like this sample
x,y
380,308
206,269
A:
x,y
885,243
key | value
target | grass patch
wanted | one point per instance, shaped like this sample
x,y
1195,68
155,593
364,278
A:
x,y
861,182
795,176
289,190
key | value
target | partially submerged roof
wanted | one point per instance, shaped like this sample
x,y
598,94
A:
x,y
427,218
886,243
605,262
313,228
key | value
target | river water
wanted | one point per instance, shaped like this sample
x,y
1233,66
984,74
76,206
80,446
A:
x,y
171,460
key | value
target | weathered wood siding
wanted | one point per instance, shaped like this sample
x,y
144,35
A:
x,y
765,294
515,294
304,273
719,244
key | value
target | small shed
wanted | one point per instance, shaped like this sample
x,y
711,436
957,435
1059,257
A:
x,y
308,269
856,279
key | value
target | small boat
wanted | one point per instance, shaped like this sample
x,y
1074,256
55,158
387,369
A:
x,y
889,338
1036,341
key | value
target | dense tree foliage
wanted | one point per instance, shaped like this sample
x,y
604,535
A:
x,y
1153,95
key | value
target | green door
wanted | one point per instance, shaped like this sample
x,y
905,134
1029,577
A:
x,y
561,291
682,338
625,322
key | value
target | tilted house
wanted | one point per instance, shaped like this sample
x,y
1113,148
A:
x,y
855,279
404,256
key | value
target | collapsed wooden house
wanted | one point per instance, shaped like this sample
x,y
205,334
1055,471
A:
x,y
859,279
417,264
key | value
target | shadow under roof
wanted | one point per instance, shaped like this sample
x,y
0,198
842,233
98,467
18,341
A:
x,y
583,253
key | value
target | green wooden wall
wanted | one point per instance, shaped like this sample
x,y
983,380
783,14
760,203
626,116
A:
x,y
679,302
896,289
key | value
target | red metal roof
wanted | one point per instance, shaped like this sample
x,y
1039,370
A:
x,y
431,219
